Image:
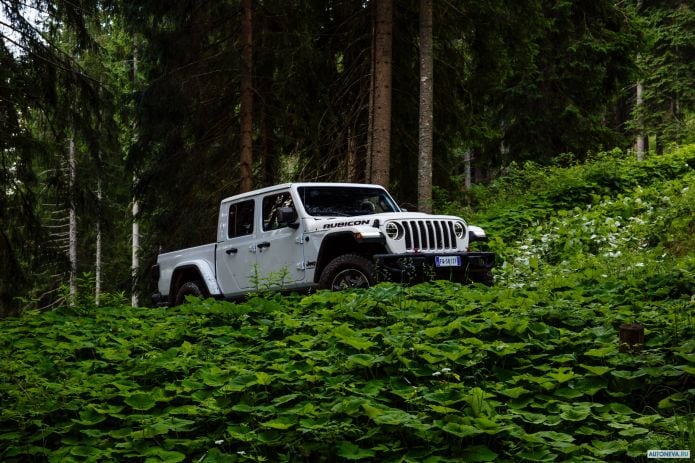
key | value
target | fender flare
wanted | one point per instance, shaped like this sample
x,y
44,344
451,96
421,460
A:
x,y
361,239
206,272
476,233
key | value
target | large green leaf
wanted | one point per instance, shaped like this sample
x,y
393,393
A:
x,y
169,424
282,422
347,335
605,448
633,431
141,401
461,430
478,453
350,451
514,392
85,451
90,417
576,412
602,352
166,456
596,369
241,383
214,376
540,455
217,456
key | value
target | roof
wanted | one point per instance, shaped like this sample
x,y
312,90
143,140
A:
x,y
294,185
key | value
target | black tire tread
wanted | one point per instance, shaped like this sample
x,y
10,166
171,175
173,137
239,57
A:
x,y
343,262
190,288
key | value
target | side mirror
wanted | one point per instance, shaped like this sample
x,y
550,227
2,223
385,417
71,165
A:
x,y
287,216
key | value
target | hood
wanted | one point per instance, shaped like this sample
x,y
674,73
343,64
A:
x,y
315,224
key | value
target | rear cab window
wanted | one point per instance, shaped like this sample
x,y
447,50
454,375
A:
x,y
241,219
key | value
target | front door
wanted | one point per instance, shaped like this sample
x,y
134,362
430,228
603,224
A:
x,y
280,254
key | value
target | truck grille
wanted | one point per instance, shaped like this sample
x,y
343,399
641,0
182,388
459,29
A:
x,y
429,235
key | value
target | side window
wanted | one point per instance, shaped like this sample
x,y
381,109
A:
x,y
271,204
241,219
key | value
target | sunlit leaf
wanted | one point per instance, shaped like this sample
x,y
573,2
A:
x,y
514,392
602,352
597,370
282,422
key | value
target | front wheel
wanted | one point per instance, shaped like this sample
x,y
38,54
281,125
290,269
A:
x,y
485,278
347,271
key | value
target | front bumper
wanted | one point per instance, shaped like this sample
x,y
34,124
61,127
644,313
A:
x,y
418,267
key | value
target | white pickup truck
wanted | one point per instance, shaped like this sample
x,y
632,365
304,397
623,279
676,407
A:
x,y
320,235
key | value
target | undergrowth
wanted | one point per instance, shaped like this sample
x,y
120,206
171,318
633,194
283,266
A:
x,y
528,370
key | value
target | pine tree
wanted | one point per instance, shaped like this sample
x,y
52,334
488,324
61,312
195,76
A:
x,y
380,156
667,69
426,110
246,162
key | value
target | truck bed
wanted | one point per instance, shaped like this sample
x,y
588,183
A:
x,y
200,256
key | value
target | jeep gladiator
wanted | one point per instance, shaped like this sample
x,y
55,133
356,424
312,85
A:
x,y
320,235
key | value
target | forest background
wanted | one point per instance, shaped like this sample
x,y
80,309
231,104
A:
x,y
124,123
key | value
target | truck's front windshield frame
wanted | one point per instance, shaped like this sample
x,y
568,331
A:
x,y
345,201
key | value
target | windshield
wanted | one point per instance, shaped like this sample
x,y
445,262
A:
x,y
344,201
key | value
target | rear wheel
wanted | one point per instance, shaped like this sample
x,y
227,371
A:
x,y
190,288
347,271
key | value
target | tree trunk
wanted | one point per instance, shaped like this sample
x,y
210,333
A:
x,y
135,262
424,199
351,159
381,143
97,265
659,144
72,229
641,142
370,121
467,183
135,267
267,165
246,160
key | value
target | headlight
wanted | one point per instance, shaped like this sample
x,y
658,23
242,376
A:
x,y
459,229
394,231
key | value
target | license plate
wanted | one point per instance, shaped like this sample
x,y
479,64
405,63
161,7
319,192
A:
x,y
447,261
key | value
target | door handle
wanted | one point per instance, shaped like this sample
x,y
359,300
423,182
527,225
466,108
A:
x,y
265,244
231,251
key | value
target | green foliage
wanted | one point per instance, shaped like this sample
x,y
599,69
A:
x,y
529,194
666,72
432,371
548,104
528,370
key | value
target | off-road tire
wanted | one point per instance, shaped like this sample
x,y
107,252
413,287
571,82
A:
x,y
485,278
190,288
347,271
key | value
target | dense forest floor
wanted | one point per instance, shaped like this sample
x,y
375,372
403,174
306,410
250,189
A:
x,y
527,370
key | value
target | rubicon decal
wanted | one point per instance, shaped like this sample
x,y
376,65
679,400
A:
x,y
350,223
